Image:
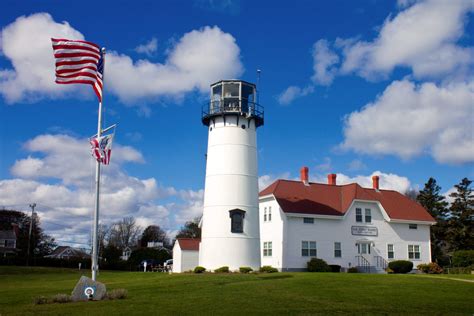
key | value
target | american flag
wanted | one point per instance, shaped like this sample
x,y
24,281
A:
x,y
79,62
102,148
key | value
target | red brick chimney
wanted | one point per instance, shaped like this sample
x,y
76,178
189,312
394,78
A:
x,y
16,230
304,175
375,182
332,179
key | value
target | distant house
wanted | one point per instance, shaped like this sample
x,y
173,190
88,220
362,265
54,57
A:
x,y
126,252
8,240
154,244
185,254
67,252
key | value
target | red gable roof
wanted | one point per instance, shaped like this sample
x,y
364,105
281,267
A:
x,y
323,199
189,243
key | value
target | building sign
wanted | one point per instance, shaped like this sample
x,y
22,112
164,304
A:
x,y
364,231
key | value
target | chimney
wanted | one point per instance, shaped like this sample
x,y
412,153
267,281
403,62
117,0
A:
x,y
304,175
332,179
375,182
16,230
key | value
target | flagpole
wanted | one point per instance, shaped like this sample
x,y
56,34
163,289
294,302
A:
x,y
95,243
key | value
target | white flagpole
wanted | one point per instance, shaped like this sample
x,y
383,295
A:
x,y
95,243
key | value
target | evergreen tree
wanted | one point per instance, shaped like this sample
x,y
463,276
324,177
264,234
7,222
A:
x,y
435,203
190,229
154,233
461,220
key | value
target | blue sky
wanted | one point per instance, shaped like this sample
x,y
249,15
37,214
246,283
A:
x,y
350,87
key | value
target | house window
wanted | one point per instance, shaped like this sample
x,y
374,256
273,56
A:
x,y
265,214
9,243
390,253
3,243
363,248
308,249
237,220
337,250
368,215
267,249
269,213
359,215
414,252
413,226
308,220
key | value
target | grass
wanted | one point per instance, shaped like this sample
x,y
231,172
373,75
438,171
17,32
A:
x,y
239,294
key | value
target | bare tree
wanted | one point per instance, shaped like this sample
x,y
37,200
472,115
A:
x,y
124,233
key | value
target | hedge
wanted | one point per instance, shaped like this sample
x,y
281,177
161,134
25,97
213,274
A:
x,y
401,266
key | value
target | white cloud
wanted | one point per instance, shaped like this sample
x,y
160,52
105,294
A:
x,y
198,58
324,60
267,179
149,48
422,37
326,165
356,165
293,92
408,120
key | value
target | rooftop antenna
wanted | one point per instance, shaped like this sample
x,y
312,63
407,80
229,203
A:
x,y
258,84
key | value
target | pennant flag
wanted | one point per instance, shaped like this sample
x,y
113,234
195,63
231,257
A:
x,y
102,148
79,62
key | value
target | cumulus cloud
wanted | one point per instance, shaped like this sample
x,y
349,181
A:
x,y
58,176
422,37
408,120
293,92
196,60
324,60
148,48
267,179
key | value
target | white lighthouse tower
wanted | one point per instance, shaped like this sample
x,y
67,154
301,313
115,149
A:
x,y
230,223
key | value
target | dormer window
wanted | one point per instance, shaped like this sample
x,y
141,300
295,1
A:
x,y
237,220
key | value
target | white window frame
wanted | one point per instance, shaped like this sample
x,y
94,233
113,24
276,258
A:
x,y
267,249
269,213
265,214
308,218
310,246
390,250
414,252
337,249
359,213
412,226
368,214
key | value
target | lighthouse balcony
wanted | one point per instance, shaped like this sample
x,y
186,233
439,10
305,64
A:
x,y
231,106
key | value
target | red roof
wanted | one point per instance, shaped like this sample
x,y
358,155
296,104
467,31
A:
x,y
189,243
323,199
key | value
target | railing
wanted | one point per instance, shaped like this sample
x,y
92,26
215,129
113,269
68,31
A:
x,y
231,105
380,262
363,263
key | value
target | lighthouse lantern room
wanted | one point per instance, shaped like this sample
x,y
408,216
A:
x,y
230,222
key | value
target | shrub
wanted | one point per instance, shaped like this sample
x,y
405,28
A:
x,y
199,269
61,298
430,268
268,269
463,258
245,269
401,266
388,270
460,270
352,270
40,300
335,268
117,294
224,269
318,265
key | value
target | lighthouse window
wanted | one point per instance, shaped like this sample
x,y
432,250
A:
x,y
237,221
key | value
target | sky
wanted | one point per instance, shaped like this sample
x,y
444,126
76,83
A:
x,y
355,88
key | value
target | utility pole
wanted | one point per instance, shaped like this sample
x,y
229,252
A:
x,y
29,234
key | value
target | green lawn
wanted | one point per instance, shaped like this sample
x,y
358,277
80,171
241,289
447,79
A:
x,y
279,293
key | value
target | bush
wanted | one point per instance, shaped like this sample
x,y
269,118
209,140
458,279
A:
x,y
388,270
352,270
224,269
117,294
61,298
430,268
335,268
401,266
466,270
40,300
199,269
318,265
245,269
463,258
268,269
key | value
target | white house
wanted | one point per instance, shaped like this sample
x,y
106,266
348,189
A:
x,y
185,254
345,225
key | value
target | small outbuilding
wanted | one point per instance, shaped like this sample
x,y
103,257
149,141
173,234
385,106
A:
x,y
185,254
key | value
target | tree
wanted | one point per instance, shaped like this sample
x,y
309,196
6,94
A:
x,y
138,255
154,233
412,194
124,233
461,220
431,199
190,229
